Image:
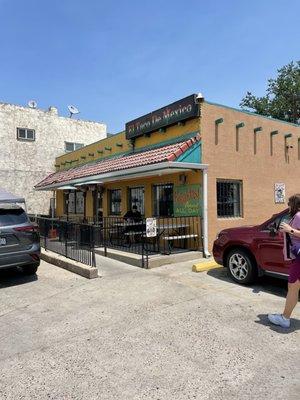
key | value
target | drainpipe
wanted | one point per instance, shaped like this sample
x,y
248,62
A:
x,y
205,216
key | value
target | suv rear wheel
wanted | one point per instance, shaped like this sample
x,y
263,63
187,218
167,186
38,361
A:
x,y
241,267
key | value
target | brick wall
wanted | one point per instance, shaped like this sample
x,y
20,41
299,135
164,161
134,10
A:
x,y
258,172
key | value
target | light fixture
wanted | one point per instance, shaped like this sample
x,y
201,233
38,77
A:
x,y
182,179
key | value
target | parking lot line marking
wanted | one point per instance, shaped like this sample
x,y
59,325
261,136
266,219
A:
x,y
205,266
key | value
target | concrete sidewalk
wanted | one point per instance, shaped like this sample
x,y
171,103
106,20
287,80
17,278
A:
x,y
165,333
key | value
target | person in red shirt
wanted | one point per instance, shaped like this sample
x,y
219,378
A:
x,y
292,232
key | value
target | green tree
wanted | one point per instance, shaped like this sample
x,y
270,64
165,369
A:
x,y
282,99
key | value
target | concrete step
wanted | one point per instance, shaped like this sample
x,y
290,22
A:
x,y
154,261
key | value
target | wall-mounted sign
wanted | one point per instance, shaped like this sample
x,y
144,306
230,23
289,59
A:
x,y
151,228
179,111
187,200
279,192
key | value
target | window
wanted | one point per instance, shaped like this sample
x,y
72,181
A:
x,y
115,201
79,203
163,200
13,216
70,146
76,203
137,198
277,221
26,134
229,195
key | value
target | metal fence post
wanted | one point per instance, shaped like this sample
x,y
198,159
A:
x,y
45,236
66,238
105,235
93,246
143,260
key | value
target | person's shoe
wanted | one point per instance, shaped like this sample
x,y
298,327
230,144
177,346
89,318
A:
x,y
280,320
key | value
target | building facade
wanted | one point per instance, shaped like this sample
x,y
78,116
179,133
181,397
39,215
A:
x,y
190,158
30,139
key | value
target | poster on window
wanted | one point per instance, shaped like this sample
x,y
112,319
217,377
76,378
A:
x,y
151,228
187,200
279,192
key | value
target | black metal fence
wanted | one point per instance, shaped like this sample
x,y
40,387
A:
x,y
70,239
171,234
78,240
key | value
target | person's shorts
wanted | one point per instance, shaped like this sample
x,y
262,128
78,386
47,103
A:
x,y
294,270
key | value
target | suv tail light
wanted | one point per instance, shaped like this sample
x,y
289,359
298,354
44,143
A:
x,y
27,228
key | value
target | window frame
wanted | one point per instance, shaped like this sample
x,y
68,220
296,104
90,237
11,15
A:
x,y
76,146
130,203
276,221
26,138
111,212
155,204
239,201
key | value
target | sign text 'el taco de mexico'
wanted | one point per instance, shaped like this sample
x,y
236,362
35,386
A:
x,y
173,113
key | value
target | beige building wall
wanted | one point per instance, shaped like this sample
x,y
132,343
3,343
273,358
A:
x,y
258,172
25,163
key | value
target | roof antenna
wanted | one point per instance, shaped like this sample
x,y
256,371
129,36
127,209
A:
x,y
73,110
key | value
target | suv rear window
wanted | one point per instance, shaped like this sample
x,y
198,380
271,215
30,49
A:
x,y
12,217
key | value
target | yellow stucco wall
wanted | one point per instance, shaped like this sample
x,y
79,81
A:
x,y
171,133
59,202
118,144
95,151
193,177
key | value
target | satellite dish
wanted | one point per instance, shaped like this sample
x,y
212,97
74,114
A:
x,y
73,110
32,104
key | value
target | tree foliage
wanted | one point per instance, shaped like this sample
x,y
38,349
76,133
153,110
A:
x,y
282,99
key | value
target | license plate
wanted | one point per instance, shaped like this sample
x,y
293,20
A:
x,y
2,241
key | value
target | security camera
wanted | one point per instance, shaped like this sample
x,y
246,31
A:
x,y
199,97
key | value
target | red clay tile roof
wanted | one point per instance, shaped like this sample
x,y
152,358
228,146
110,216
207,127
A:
x,y
120,162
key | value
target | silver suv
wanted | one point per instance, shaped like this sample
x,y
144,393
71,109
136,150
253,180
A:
x,y
19,240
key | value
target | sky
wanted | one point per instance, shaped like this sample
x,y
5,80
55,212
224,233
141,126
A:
x,y
118,60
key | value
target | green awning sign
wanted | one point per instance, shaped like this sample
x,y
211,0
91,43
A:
x,y
187,200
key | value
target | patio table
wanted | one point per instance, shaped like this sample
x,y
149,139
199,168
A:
x,y
170,232
125,232
127,224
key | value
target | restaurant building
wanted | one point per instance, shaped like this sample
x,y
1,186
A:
x,y
192,158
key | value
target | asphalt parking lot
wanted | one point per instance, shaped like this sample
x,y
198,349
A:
x,y
165,333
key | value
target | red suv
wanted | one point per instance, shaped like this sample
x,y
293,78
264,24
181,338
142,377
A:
x,y
251,251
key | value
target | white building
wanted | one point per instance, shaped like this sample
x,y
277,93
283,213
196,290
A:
x,y
30,139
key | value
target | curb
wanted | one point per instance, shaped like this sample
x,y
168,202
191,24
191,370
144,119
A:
x,y
205,266
70,265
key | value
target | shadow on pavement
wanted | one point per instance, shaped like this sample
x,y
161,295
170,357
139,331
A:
x,y
14,277
265,284
263,320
